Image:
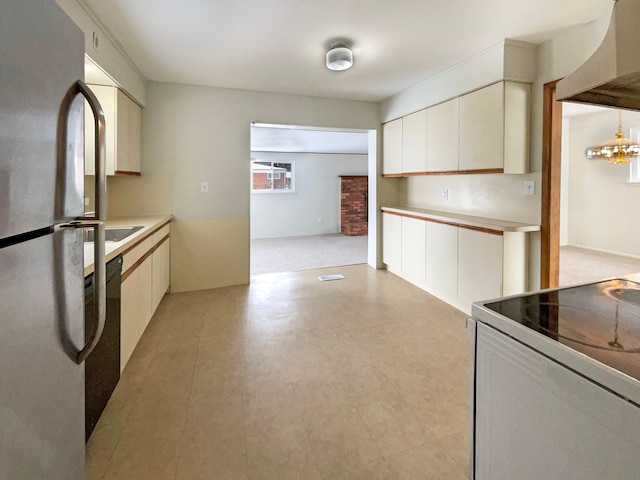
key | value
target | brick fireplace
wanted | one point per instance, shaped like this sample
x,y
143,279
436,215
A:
x,y
354,199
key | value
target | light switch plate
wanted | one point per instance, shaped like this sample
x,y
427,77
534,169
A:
x,y
529,187
204,187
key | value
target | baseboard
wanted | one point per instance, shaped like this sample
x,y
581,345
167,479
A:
x,y
601,250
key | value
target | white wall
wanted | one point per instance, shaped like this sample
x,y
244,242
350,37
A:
x,y
314,207
564,185
108,56
602,210
196,134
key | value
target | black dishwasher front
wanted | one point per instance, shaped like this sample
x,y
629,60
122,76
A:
x,y
102,367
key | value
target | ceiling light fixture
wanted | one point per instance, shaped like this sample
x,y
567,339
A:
x,y
339,57
617,151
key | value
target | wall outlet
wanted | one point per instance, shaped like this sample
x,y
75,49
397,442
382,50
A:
x,y
445,194
204,187
529,187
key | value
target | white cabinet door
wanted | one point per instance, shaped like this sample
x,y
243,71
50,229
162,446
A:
x,y
145,301
128,118
414,142
480,257
392,241
107,99
442,260
122,132
413,249
482,129
517,125
442,137
129,312
392,147
160,283
494,128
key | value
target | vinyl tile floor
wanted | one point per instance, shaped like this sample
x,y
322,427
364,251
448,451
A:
x,y
293,378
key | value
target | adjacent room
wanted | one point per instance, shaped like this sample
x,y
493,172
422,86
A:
x,y
598,220
309,198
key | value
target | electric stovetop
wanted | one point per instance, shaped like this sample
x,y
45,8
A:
x,y
601,320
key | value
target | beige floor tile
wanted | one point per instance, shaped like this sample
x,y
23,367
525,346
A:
x,y
292,378
368,385
154,472
280,450
393,426
318,396
100,448
149,441
427,462
372,471
341,442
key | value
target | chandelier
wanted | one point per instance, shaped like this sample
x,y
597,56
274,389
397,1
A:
x,y
616,151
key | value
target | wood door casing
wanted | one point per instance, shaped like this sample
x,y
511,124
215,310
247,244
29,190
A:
x,y
550,208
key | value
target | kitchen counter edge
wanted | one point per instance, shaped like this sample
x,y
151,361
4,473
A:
x,y
151,224
462,220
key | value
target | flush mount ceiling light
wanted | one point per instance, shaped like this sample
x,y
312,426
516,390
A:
x,y
339,57
617,151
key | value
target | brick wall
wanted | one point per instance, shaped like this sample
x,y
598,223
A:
x,y
354,204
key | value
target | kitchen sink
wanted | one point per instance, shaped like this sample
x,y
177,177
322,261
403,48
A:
x,y
113,234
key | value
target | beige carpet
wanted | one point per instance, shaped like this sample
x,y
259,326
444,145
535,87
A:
x,y
579,265
292,254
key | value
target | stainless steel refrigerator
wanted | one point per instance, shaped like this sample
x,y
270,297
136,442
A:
x,y
42,338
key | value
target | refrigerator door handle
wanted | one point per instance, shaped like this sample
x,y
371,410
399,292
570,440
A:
x,y
96,221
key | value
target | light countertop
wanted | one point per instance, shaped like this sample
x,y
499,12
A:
x,y
112,249
464,220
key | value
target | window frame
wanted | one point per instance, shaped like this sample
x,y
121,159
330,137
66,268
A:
x,y
271,174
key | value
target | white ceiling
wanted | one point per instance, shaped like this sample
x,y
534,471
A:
x,y
279,45
284,138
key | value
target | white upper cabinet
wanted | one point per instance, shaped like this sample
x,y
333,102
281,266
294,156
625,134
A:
x,y
494,129
486,131
392,147
414,142
122,132
442,137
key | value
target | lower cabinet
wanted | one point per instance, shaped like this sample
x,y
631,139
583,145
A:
x,y
480,260
145,283
413,251
392,241
442,260
458,264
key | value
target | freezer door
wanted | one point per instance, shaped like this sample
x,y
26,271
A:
x,y
42,56
41,386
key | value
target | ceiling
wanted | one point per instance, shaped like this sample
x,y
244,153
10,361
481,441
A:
x,y
279,45
287,138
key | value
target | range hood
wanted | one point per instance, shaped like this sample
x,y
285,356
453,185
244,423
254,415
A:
x,y
611,76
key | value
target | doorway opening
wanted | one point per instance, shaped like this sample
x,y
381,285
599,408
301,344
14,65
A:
x,y
310,190
587,225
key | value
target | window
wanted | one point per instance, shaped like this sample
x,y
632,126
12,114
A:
x,y
272,177
634,166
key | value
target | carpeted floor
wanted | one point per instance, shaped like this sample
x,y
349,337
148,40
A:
x,y
292,254
579,265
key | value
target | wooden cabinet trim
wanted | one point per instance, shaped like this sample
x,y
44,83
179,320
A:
x,y
490,231
124,172
144,237
480,171
141,260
